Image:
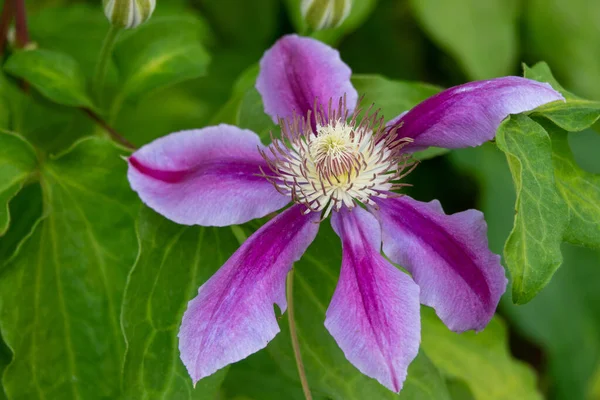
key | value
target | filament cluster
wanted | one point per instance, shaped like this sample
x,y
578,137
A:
x,y
331,158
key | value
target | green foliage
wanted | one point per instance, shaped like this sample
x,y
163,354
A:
x,y
17,165
482,360
565,34
532,251
159,53
579,189
486,45
575,114
56,75
60,293
173,262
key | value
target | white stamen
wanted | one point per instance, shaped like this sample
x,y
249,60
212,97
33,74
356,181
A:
x,y
343,162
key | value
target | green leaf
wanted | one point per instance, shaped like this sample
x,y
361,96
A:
x,y
565,34
25,209
5,357
80,32
532,251
328,371
18,162
482,360
361,9
564,320
579,189
575,114
258,377
160,53
68,279
56,75
174,261
392,97
470,29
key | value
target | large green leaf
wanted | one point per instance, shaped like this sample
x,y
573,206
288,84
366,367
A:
x,y
258,377
18,163
60,294
160,53
48,126
173,262
80,32
482,360
56,75
26,209
5,357
579,189
532,251
481,36
574,114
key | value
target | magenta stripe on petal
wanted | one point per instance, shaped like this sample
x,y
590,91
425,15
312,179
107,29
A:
x,y
205,177
448,256
469,114
296,71
233,315
374,314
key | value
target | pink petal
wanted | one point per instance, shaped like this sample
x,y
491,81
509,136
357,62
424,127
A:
x,y
448,257
374,313
233,316
205,177
469,114
296,71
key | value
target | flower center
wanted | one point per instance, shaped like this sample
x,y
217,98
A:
x,y
336,151
341,162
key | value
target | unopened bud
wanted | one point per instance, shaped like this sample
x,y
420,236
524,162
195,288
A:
x,y
323,14
128,13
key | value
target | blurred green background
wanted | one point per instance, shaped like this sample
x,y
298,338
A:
x,y
443,42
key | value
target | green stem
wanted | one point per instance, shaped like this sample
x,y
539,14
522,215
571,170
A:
x,y
294,335
104,60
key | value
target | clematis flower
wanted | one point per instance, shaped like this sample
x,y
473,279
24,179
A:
x,y
331,161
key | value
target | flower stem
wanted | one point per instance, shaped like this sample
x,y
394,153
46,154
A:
x,y
294,335
5,20
104,60
22,34
114,134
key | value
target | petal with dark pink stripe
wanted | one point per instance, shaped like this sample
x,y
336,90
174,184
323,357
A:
x,y
205,177
448,256
469,114
233,315
374,314
298,70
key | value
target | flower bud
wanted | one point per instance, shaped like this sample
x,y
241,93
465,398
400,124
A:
x,y
323,14
128,13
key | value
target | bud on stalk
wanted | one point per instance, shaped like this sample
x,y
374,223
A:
x,y
128,13
323,14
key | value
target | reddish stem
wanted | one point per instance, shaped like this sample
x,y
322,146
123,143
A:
x,y
5,20
22,34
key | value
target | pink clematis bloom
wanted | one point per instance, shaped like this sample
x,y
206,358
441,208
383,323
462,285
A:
x,y
329,161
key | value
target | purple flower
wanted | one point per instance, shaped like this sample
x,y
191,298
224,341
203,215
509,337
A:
x,y
341,165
